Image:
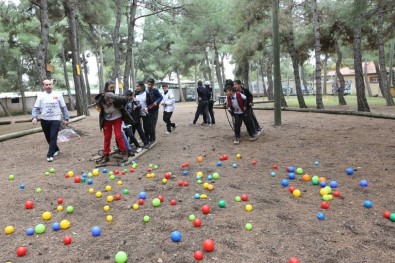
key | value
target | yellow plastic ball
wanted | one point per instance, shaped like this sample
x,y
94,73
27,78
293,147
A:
x,y
199,174
70,173
203,196
164,181
205,185
46,216
238,156
119,183
98,194
64,224
134,166
9,230
135,206
109,218
323,191
106,208
296,193
210,187
108,188
248,208
95,172
91,190
110,198
59,208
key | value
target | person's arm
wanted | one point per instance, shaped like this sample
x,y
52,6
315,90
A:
x,y
159,97
36,111
65,112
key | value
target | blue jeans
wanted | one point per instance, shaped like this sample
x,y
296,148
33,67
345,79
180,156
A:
x,y
51,130
127,144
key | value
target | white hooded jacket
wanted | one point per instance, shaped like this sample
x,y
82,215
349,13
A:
x,y
168,101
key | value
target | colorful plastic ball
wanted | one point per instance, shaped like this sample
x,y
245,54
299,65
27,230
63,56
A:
x,y
349,171
208,245
39,229
96,231
146,219
237,198
392,217
105,170
293,260
222,203
284,183
321,216
56,226
234,165
253,162
291,189
21,186
135,206
329,189
106,208
206,209
125,191
299,170
306,177
121,257
164,181
142,195
322,183
387,214
9,230
11,177
99,194
323,191
185,172
21,251
291,169
156,202
316,163
197,222
197,196
70,209
110,198
296,193
203,196
38,190
175,236
191,217
59,208
141,201
333,184
248,208
272,174
65,224
109,218
198,255
209,177
29,204
89,181
112,177
325,205
219,164
275,166
67,240
326,197
367,203
200,159
291,176
314,180
173,202
248,226
244,197
215,176
336,194
363,183
30,231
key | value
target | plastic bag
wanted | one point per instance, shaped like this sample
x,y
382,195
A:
x,y
66,135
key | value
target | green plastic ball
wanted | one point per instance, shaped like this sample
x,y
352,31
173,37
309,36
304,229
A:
x,y
121,257
125,191
215,176
146,218
11,177
299,170
47,173
70,209
248,226
112,177
191,217
392,217
39,229
52,170
156,202
237,198
38,190
222,203
90,175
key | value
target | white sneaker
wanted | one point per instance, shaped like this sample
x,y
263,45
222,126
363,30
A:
x,y
56,153
49,159
168,132
139,150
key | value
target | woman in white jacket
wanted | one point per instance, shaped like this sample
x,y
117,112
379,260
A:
x,y
168,103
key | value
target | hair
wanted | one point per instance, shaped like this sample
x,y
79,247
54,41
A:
x,y
228,82
237,81
141,84
165,85
151,80
200,83
230,88
107,84
129,93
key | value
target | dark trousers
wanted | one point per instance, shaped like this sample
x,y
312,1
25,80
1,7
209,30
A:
x,y
137,127
253,119
210,111
239,119
51,130
146,125
202,109
132,139
166,119
153,119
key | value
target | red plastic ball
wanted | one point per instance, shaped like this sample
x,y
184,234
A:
x,y
141,201
180,183
226,157
293,260
244,197
291,189
21,251
197,222
116,172
198,255
387,214
173,202
186,183
161,198
275,166
60,201
67,240
336,193
29,204
206,209
118,197
253,162
77,179
324,205
131,170
167,175
208,245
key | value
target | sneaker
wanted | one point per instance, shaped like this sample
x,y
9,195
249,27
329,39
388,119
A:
x,y
191,124
49,159
168,132
152,142
258,129
236,141
173,128
138,150
253,138
56,153
146,146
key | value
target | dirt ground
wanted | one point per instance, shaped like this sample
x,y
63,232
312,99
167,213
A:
x,y
284,226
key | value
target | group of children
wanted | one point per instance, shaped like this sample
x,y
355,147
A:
x,y
126,114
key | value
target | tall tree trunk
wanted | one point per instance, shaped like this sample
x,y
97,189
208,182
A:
x,y
306,89
383,70
366,78
6,111
129,53
324,88
222,69
71,12
115,41
269,70
218,68
262,71
391,82
317,46
86,73
66,78
101,68
179,85
339,75
20,84
42,51
381,85
359,84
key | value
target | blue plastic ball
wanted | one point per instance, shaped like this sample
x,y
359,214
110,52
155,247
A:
x,y
185,172
197,196
84,175
234,165
321,216
291,169
198,177
316,163
284,182
291,175
209,177
322,183
96,231
105,170
30,231
175,236
21,186
219,163
333,184
349,171
55,226
142,195
368,204
89,181
363,183
273,174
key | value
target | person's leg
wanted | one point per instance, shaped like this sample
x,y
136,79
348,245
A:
x,y
249,125
117,124
141,133
199,110
255,121
205,112
132,138
172,124
153,121
146,126
126,141
53,144
166,119
237,125
107,133
46,127
211,111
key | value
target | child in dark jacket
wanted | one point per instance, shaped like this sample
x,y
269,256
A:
x,y
133,106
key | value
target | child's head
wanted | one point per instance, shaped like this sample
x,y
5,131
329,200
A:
x,y
229,90
129,94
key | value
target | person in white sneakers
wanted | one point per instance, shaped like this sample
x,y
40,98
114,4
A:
x,y
168,103
51,106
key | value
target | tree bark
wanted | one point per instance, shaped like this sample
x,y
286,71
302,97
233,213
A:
x,y
339,75
262,71
86,73
218,68
179,85
6,111
324,88
269,70
317,45
365,76
66,78
129,70
115,41
42,51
